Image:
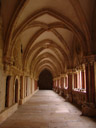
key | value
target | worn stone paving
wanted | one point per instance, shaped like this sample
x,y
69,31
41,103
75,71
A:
x,y
46,109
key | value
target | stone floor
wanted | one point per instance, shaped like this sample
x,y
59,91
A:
x,y
48,110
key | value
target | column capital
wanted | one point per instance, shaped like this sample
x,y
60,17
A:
x,y
62,75
56,78
8,60
89,59
69,70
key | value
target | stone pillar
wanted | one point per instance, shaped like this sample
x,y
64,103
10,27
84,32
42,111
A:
x,y
22,87
25,87
70,86
35,85
1,42
62,82
89,108
66,81
75,80
83,79
69,83
78,79
61,85
31,85
90,82
95,79
57,85
87,82
54,85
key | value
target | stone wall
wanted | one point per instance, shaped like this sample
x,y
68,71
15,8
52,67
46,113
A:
x,y
14,96
2,89
29,89
11,91
28,85
78,97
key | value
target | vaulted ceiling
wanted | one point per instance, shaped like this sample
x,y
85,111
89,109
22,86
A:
x,y
52,32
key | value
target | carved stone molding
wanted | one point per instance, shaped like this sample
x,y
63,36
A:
x,y
89,59
89,109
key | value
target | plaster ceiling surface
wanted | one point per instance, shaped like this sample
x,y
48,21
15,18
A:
x,y
45,65
47,30
55,62
88,8
7,9
47,55
46,61
48,50
48,35
66,34
27,35
46,18
59,5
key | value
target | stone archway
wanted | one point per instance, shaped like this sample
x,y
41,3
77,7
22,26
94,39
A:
x,y
7,91
45,81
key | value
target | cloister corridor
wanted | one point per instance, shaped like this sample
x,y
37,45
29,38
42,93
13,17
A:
x,y
46,109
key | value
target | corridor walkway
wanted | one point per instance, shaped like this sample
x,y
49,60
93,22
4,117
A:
x,y
48,110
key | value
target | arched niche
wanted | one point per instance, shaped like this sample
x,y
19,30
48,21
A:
x,y
16,91
7,91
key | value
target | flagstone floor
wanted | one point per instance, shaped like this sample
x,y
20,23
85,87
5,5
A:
x,y
46,109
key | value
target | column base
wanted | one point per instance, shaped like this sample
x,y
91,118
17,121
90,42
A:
x,y
69,97
22,101
8,112
89,109
54,89
57,90
61,93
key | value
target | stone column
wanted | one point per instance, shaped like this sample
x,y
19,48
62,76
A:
x,y
57,85
90,82
25,87
75,80
70,86
35,81
66,81
62,82
89,108
95,79
87,81
83,79
22,87
54,84
61,85
31,85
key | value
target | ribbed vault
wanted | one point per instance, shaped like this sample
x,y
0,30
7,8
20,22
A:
x,y
53,35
